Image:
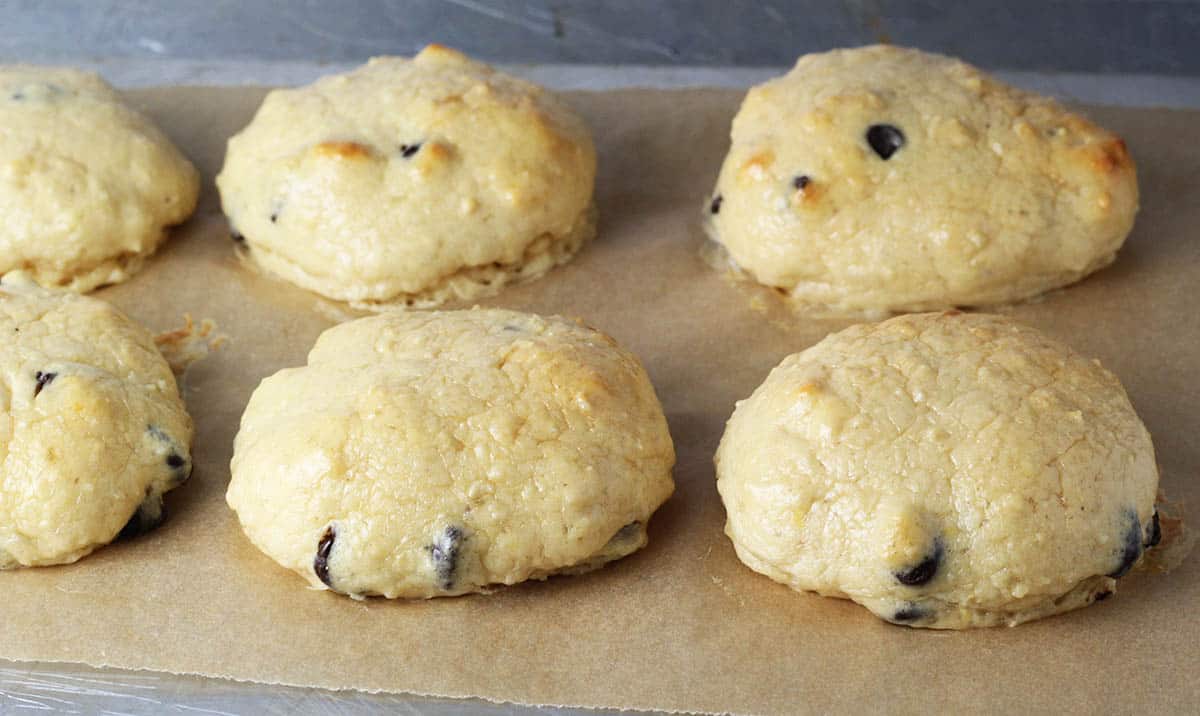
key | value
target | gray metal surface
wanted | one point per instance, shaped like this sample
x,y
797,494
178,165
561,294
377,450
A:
x,y
1108,36
71,689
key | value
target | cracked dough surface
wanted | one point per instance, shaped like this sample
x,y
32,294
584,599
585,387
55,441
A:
x,y
994,194
92,428
88,186
411,181
943,470
425,454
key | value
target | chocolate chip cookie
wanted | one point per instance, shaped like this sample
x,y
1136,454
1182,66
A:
x,y
884,179
943,470
411,181
92,429
434,454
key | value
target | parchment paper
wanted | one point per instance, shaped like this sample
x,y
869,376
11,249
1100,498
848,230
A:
x,y
682,625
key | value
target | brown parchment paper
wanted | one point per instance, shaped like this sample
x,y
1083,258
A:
x,y
682,625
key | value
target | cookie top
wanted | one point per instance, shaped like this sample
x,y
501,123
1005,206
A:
x,y
411,181
944,470
884,178
87,184
432,454
92,428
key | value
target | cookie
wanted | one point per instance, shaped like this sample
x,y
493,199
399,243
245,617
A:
x,y
92,428
886,179
433,454
411,181
88,186
942,470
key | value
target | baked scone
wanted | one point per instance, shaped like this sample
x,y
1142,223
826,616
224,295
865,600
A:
x,y
88,186
943,470
411,181
433,454
92,428
887,179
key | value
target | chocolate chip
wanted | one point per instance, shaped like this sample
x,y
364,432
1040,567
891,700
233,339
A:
x,y
236,236
925,571
910,613
407,150
801,181
1155,535
1101,596
274,217
715,206
885,139
321,561
146,517
181,472
444,553
43,379
1131,546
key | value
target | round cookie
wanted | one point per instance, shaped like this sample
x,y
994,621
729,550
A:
x,y
943,470
92,428
888,179
411,181
88,186
434,454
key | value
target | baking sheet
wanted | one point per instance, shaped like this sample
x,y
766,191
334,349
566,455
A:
x,y
681,625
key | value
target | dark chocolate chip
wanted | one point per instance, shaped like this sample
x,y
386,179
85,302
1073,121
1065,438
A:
x,y
43,379
181,474
407,150
175,462
236,236
1101,596
885,139
146,517
1155,535
321,561
925,571
910,613
444,553
1131,547
801,181
274,217
715,206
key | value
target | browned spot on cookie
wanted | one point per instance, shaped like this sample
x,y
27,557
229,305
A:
x,y
436,151
952,312
343,150
808,388
434,51
756,166
1111,156
433,157
807,194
